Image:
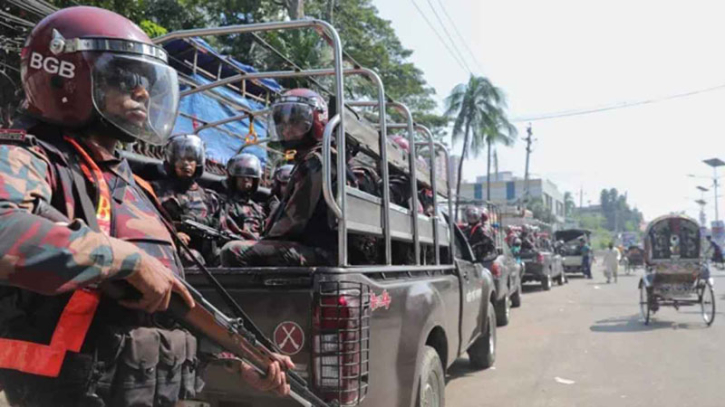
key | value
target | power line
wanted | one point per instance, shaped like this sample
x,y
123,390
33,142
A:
x,y
445,31
430,25
621,105
463,40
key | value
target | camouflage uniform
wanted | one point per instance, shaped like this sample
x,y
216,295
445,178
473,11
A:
x,y
271,205
44,262
480,241
189,201
241,214
302,230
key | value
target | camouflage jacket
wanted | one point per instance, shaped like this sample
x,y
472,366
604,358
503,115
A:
x,y
188,201
303,216
51,258
480,241
243,214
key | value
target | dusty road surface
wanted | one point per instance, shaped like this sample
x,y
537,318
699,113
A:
x,y
583,345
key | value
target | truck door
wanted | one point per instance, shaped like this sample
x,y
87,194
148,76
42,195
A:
x,y
471,283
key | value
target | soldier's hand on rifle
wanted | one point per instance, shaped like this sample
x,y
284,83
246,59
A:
x,y
275,380
185,239
155,282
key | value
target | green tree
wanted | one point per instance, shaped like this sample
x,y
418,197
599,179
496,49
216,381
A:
x,y
540,211
478,107
569,204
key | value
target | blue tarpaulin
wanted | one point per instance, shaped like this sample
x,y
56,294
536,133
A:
x,y
220,145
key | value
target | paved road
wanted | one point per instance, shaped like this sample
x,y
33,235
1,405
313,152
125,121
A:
x,y
583,345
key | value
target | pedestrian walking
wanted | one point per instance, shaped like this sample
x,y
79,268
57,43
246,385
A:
x,y
611,263
586,252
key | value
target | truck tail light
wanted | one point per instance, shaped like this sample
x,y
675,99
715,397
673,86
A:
x,y
496,269
341,347
540,258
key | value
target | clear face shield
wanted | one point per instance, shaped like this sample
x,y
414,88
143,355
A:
x,y
188,148
290,121
472,216
136,93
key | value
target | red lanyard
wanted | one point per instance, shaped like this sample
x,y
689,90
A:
x,y
94,174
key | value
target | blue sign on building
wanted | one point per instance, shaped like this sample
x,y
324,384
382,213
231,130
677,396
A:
x,y
478,191
510,190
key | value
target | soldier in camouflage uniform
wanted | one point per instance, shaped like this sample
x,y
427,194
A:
x,y
279,184
302,230
184,199
72,216
475,231
242,215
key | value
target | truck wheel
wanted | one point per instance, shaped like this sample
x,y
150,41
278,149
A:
x,y
503,311
546,283
516,297
432,390
482,354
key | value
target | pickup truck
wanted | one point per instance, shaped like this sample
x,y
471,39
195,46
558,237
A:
x,y
542,266
507,273
373,335
570,251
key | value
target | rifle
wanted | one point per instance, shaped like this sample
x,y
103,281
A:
x,y
238,336
209,232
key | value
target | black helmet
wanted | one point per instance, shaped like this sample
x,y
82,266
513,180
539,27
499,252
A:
x,y
244,165
282,173
185,146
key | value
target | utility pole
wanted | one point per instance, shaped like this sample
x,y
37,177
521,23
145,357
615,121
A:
x,y
714,163
526,172
581,197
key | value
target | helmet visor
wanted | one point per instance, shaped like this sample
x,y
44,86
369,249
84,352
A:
x,y
291,121
185,147
137,94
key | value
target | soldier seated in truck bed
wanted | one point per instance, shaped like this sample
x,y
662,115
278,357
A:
x,y
301,230
184,199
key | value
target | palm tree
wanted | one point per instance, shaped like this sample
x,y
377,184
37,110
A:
x,y
504,133
478,107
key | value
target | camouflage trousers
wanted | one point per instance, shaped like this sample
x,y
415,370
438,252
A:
x,y
278,253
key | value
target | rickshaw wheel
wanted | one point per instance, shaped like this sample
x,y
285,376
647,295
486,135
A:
x,y
644,305
707,304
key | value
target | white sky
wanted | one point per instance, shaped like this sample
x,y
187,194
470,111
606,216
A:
x,y
558,55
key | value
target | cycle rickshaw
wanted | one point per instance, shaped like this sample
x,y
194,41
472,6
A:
x,y
634,258
675,273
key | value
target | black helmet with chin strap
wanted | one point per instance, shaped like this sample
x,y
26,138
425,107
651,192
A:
x,y
188,146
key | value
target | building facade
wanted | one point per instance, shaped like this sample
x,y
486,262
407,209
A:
x,y
508,190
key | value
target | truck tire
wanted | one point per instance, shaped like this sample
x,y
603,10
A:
x,y
482,354
516,297
503,311
432,384
546,283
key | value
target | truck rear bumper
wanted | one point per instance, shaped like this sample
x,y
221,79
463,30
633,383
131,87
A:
x,y
533,272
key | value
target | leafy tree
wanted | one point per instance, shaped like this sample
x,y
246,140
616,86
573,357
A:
x,y
619,216
540,211
478,107
569,204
